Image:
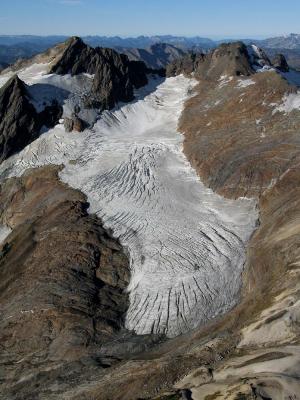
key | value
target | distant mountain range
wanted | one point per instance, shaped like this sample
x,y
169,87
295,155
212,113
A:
x,y
156,51
109,41
291,42
156,56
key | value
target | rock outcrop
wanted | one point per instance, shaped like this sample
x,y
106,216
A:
x,y
20,123
279,62
258,57
74,123
228,59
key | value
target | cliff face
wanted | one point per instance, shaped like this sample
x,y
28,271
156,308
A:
x,y
18,119
20,123
279,62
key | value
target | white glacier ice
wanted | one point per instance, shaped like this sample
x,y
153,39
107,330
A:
x,y
186,243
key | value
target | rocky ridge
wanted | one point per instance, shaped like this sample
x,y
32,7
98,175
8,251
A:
x,y
20,123
229,59
280,63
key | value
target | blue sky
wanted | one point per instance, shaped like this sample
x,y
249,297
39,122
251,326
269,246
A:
x,y
210,18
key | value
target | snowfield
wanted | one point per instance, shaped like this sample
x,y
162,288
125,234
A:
x,y
186,244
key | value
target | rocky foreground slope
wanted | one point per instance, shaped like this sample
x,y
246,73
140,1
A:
x,y
64,277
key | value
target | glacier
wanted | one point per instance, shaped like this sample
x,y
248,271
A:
x,y
186,243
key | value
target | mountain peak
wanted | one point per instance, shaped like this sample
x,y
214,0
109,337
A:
x,y
230,59
14,83
74,41
115,77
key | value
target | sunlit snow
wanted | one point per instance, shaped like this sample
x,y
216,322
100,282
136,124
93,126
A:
x,y
289,103
242,83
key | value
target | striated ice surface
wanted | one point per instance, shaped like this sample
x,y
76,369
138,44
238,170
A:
x,y
186,243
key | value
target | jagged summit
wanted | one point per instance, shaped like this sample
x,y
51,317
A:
x,y
227,59
115,76
231,59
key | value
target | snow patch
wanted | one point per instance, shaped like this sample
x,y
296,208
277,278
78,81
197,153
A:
x,y
242,83
290,102
29,75
4,232
224,80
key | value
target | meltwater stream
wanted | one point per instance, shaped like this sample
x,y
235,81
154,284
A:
x,y
186,243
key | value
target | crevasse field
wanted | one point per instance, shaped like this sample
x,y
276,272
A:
x,y
186,244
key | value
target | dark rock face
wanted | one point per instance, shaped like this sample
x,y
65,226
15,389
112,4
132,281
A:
x,y
279,62
20,123
50,115
258,57
115,76
228,59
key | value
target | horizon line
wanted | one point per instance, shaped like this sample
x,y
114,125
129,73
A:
x,y
202,36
